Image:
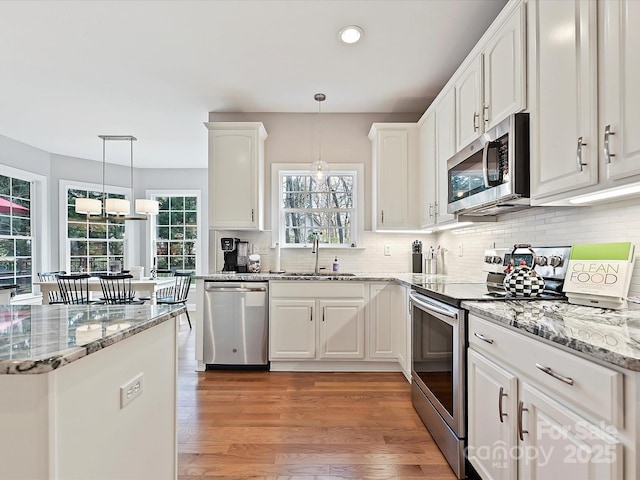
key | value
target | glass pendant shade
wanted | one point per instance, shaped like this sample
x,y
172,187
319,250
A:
x,y
88,206
319,169
147,207
117,206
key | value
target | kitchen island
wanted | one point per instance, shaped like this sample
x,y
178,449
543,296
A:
x,y
88,391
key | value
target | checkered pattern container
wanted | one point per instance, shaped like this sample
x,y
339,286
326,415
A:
x,y
524,282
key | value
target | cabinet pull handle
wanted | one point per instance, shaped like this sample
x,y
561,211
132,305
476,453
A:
x,y
475,121
548,371
482,337
311,314
323,313
607,150
252,215
485,113
579,154
381,216
500,413
521,431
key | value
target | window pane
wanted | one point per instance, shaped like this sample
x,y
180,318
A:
x,y
21,188
177,218
176,248
23,248
77,230
97,230
162,233
162,248
162,218
78,247
97,248
162,262
177,203
116,248
191,218
5,185
189,248
191,203
176,263
164,203
191,232
177,233
116,231
5,225
21,227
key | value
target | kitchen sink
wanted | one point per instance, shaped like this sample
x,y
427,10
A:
x,y
321,274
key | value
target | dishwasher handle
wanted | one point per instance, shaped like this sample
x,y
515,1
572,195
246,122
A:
x,y
213,288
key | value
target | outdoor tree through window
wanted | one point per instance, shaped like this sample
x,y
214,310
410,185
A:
x,y
325,206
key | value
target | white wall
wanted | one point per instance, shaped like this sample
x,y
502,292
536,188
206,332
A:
x,y
548,226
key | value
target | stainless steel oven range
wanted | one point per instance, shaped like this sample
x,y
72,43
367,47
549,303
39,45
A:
x,y
439,342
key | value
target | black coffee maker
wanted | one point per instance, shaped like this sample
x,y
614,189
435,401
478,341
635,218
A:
x,y
235,255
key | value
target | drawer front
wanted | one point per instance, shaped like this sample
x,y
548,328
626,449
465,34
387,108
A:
x,y
317,289
590,387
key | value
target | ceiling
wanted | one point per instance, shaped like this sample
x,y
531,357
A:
x,y
73,70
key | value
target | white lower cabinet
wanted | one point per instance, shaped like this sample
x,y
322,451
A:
x,y
536,412
342,325
316,320
292,331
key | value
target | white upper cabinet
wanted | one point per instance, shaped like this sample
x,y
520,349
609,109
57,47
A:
x,y
433,173
468,93
492,85
562,96
618,89
395,176
503,61
446,127
236,175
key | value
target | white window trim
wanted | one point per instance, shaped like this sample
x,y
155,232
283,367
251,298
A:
x,y
129,235
201,253
277,222
39,222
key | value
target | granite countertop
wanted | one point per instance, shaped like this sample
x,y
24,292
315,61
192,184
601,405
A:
x,y
42,338
612,336
407,279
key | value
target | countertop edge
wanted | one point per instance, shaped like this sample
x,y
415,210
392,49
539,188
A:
x,y
55,362
571,345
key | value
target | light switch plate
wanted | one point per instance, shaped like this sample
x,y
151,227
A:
x,y
131,390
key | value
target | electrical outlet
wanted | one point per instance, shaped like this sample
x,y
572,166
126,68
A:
x,y
460,250
131,390
387,250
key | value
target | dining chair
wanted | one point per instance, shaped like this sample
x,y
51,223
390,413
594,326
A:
x,y
117,290
55,297
74,289
179,293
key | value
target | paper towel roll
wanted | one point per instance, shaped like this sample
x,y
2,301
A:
x,y
276,268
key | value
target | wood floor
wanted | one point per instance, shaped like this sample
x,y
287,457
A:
x,y
299,426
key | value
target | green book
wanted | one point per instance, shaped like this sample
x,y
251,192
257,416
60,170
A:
x,y
599,273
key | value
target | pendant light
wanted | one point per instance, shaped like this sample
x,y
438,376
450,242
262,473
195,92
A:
x,y
119,207
319,168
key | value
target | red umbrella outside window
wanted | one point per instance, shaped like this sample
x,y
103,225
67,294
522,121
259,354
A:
x,y
6,206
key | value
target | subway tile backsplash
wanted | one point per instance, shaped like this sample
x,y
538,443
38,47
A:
x,y
546,226
464,248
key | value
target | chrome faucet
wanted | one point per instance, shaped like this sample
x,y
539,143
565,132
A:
x,y
315,248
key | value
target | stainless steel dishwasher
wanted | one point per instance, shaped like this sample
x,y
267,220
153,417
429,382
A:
x,y
235,323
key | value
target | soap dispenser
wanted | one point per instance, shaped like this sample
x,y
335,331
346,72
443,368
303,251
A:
x,y
336,265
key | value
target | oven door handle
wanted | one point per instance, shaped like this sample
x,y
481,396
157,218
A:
x,y
423,303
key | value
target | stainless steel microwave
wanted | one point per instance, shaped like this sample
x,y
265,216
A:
x,y
491,175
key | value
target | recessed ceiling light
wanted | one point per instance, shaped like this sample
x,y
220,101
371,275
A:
x,y
351,34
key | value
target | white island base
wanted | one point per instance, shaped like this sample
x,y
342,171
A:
x,y
68,423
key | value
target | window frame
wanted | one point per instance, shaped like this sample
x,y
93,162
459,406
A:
x,y
65,251
277,213
39,222
151,238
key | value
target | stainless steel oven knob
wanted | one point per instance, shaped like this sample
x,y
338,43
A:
x,y
555,261
541,260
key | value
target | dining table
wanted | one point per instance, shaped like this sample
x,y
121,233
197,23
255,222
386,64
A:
x,y
149,285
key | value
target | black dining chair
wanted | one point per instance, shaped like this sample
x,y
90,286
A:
x,y
117,290
55,297
74,289
179,293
